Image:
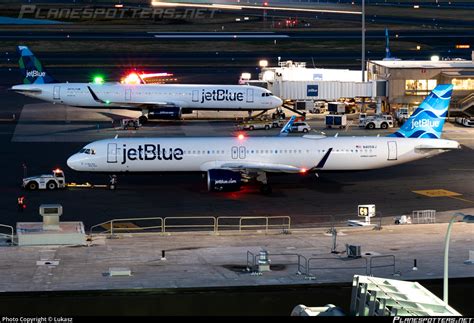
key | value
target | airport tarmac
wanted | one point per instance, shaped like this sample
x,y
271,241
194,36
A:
x,y
46,135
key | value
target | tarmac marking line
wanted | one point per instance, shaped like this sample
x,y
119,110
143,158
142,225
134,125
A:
x,y
437,193
442,193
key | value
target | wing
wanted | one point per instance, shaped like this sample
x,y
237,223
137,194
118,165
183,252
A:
x,y
263,167
136,104
250,166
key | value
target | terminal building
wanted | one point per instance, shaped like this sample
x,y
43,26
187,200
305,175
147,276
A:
x,y
391,84
408,82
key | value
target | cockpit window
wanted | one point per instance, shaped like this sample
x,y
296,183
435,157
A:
x,y
87,151
267,94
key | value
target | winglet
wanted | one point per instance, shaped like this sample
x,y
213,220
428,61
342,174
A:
x,y
323,160
94,96
286,128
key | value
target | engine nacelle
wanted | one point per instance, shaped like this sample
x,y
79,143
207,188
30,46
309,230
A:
x,y
221,180
169,113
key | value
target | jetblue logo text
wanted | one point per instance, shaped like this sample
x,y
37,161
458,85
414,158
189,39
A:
x,y
35,73
424,123
312,90
221,95
151,152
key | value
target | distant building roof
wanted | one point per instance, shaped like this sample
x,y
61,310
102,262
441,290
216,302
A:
x,y
426,64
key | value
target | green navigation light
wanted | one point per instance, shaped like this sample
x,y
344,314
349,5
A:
x,y
98,79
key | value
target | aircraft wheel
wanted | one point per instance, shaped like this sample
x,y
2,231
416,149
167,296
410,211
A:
x,y
112,187
143,119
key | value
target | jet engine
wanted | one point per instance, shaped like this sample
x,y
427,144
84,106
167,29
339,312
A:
x,y
221,180
168,113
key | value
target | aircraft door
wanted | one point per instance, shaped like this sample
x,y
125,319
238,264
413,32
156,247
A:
x,y
249,95
111,153
195,95
235,152
392,150
128,94
242,151
56,93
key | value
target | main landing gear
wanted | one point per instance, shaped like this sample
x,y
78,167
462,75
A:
x,y
265,188
144,118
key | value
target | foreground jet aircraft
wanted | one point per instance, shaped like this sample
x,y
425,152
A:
x,y
230,160
156,101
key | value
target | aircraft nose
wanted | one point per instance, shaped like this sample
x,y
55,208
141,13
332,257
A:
x,y
278,101
73,162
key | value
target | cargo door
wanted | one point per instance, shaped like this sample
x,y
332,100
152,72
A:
x,y
56,93
249,95
128,94
195,95
392,150
111,153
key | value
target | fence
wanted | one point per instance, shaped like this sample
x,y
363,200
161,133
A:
x,y
309,268
424,216
204,223
301,261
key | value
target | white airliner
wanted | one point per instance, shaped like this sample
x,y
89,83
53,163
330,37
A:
x,y
160,101
230,160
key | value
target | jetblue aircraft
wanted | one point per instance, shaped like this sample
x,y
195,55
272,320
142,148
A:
x,y
156,101
230,160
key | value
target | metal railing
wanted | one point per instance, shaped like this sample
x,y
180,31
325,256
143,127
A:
x,y
309,268
423,216
301,263
115,229
238,223
10,236
203,223
392,264
211,226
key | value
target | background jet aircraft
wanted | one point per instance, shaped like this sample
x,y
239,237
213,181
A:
x,y
160,101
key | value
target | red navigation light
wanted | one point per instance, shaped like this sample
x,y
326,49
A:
x,y
119,5
132,78
241,136
57,170
265,3
303,170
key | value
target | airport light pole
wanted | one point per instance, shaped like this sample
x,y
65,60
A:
x,y
466,219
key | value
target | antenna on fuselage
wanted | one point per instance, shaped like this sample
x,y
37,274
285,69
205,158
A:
x,y
337,134
116,136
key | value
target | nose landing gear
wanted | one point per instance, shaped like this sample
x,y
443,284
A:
x,y
113,182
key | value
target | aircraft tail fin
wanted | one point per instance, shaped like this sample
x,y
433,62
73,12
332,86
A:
x,y
428,119
31,68
286,128
387,44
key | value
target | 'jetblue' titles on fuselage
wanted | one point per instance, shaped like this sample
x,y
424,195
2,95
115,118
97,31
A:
x,y
221,95
151,152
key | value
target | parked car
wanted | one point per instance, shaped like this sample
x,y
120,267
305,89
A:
x,y
255,125
300,127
